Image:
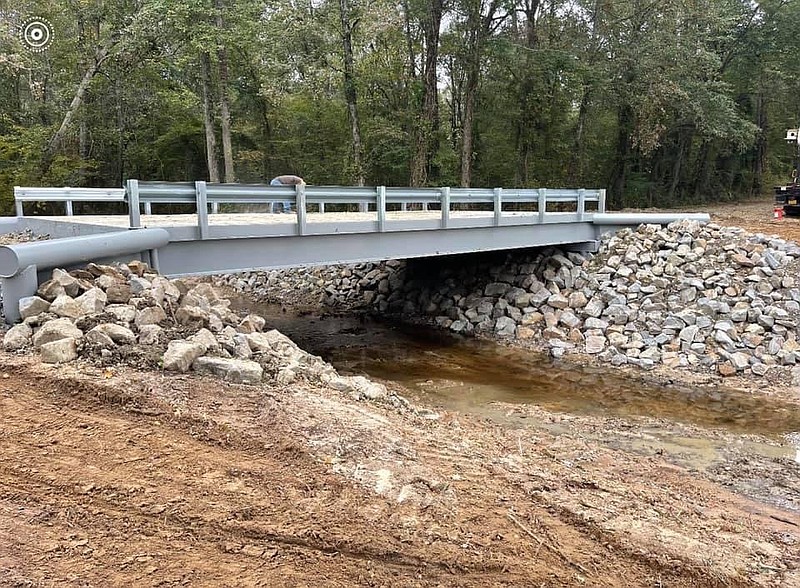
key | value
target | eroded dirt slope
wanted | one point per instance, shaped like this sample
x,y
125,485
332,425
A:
x,y
117,478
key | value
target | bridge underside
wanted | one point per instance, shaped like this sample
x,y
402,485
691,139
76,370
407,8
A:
x,y
211,256
274,243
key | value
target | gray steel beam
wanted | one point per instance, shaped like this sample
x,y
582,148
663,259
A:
x,y
56,252
657,218
213,256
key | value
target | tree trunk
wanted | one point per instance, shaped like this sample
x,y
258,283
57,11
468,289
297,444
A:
x,y
575,169
619,175
468,123
350,89
77,100
703,172
412,58
208,121
120,132
684,143
481,27
424,147
529,113
225,113
83,131
761,145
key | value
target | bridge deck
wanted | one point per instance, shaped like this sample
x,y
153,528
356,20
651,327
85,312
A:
x,y
267,218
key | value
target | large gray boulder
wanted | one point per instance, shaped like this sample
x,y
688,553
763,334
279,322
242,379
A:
x,y
17,337
55,330
32,306
233,370
66,306
180,355
60,351
117,333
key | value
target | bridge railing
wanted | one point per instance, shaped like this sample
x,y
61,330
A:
x,y
378,199
202,196
65,195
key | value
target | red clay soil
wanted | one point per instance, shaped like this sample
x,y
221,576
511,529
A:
x,y
119,478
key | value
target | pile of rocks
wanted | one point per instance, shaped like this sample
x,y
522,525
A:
x,y
115,314
686,295
339,286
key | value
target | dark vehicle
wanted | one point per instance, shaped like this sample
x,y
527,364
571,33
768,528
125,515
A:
x,y
788,197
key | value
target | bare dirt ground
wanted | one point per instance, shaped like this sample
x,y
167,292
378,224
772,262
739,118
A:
x,y
755,216
118,477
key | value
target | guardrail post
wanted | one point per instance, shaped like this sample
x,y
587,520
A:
x,y
581,203
542,203
363,207
381,205
132,189
403,206
322,208
148,208
201,198
601,203
153,256
18,204
214,207
498,205
15,288
445,199
68,207
300,197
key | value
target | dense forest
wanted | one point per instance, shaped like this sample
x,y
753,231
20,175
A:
x,y
659,101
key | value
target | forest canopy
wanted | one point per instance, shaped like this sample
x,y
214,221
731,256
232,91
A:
x,y
662,102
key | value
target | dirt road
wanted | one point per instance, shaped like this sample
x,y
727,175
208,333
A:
x,y
113,477
755,216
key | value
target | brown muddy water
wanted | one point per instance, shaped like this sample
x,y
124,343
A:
x,y
710,429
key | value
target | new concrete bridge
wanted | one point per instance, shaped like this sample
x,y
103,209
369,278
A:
x,y
331,225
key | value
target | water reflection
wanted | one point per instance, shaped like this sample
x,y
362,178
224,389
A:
x,y
453,371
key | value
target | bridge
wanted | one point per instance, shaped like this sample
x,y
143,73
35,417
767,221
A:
x,y
228,227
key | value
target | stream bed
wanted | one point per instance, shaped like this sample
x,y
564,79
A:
x,y
746,442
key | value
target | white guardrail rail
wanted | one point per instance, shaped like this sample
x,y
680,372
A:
x,y
203,195
65,195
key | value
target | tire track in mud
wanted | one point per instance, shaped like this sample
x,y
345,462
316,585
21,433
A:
x,y
33,491
254,481
33,487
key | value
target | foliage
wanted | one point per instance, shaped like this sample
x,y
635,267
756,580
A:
x,y
660,102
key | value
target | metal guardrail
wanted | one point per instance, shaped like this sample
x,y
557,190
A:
x,y
202,194
20,263
65,195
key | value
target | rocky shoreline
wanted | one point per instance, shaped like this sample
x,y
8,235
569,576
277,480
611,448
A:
x,y
126,314
700,298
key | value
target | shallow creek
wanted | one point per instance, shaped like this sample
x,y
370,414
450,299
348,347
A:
x,y
751,443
